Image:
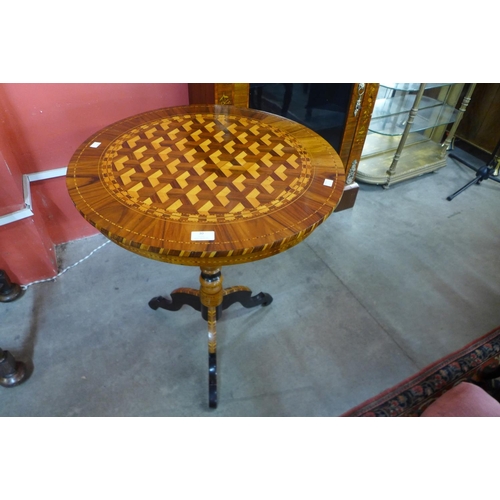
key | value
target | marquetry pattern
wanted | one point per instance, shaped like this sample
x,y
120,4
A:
x,y
206,168
255,184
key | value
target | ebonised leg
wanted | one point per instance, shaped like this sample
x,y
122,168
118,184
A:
x,y
178,298
243,295
191,297
183,297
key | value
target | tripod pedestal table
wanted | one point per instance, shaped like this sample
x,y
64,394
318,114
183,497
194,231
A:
x,y
206,186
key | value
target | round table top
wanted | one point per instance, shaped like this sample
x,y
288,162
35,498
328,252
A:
x,y
205,185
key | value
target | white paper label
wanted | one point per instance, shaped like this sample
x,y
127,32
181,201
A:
x,y
328,182
95,144
202,235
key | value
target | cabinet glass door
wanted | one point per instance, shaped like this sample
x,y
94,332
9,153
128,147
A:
x,y
322,107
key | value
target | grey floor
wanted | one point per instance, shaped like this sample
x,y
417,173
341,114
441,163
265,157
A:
x,y
371,297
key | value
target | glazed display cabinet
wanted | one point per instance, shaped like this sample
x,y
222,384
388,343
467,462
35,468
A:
x,y
409,132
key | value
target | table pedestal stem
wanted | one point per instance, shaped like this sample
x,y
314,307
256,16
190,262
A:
x,y
211,295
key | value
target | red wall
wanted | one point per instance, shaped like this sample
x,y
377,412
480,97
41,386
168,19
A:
x,y
41,125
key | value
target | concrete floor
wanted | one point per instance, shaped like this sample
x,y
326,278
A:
x,y
371,297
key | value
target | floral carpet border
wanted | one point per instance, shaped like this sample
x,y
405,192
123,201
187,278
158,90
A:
x,y
412,396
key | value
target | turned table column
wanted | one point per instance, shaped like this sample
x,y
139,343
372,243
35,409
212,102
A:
x,y
211,295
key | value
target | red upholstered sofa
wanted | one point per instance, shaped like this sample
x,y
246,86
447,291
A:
x,y
464,400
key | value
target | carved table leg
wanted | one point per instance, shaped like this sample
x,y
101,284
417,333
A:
x,y
12,372
178,298
243,295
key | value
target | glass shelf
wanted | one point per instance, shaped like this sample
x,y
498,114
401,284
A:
x,y
425,119
415,160
412,87
402,104
376,144
418,146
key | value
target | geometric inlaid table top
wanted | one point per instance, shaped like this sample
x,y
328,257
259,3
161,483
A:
x,y
205,184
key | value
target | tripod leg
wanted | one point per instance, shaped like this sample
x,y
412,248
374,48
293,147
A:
x,y
461,190
178,298
482,174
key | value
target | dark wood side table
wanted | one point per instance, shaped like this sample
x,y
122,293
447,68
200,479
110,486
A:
x,y
207,186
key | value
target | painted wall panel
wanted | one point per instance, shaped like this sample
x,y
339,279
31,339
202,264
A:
x,y
41,125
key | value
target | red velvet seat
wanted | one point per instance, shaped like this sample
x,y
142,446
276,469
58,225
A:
x,y
464,400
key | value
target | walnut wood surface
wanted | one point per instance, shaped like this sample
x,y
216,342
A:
x,y
256,179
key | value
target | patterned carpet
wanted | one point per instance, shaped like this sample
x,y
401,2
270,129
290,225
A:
x,y
476,362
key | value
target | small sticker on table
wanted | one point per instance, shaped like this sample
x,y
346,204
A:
x,y
95,144
202,235
328,182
